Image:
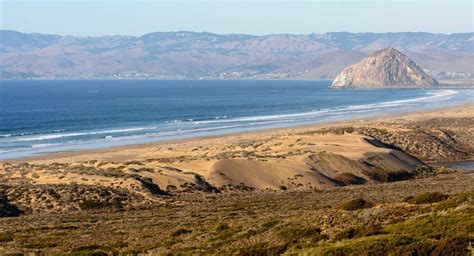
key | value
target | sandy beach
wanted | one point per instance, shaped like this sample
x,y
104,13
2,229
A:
x,y
300,158
142,151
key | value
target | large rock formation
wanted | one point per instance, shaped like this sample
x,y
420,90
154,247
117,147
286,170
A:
x,y
384,68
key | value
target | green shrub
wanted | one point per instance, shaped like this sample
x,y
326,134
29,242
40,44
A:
x,y
426,198
423,170
346,179
6,237
262,249
39,245
449,246
297,233
181,231
379,174
93,204
368,247
352,232
454,246
345,234
221,227
269,224
455,200
420,248
94,250
356,204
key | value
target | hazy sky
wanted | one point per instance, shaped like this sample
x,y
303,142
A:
x,y
250,17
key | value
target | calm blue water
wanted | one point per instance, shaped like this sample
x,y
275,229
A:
x,y
48,116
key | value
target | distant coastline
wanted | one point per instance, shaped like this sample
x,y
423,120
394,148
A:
x,y
195,55
443,84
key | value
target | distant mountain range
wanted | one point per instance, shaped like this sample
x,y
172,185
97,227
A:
x,y
193,55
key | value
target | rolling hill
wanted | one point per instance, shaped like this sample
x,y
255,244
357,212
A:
x,y
186,54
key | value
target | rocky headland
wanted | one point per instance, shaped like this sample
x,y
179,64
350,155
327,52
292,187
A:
x,y
384,68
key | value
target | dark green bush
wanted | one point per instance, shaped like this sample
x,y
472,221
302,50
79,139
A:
x,y
352,232
94,204
181,231
6,237
346,179
426,198
356,204
221,227
297,233
379,174
453,246
345,234
262,249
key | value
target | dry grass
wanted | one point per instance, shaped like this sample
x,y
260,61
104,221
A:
x,y
264,223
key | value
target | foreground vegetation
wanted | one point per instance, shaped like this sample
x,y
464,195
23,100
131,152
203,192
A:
x,y
429,216
157,201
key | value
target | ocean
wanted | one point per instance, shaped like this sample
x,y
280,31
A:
x,y
39,117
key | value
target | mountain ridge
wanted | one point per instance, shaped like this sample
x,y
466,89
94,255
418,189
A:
x,y
187,54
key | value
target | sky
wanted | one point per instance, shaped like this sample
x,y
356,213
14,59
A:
x,y
107,17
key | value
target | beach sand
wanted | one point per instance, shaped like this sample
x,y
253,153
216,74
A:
x,y
307,157
186,147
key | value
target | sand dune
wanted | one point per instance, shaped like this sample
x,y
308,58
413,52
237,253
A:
x,y
304,158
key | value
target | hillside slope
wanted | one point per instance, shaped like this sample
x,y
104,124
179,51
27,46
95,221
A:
x,y
185,54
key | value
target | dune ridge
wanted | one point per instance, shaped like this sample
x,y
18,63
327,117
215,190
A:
x,y
295,159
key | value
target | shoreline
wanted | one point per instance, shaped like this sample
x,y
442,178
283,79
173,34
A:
x,y
238,135
358,154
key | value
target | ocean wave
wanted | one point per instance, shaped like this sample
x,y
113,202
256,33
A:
x,y
109,138
188,131
64,135
3,151
431,96
225,118
33,146
28,133
42,145
197,119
